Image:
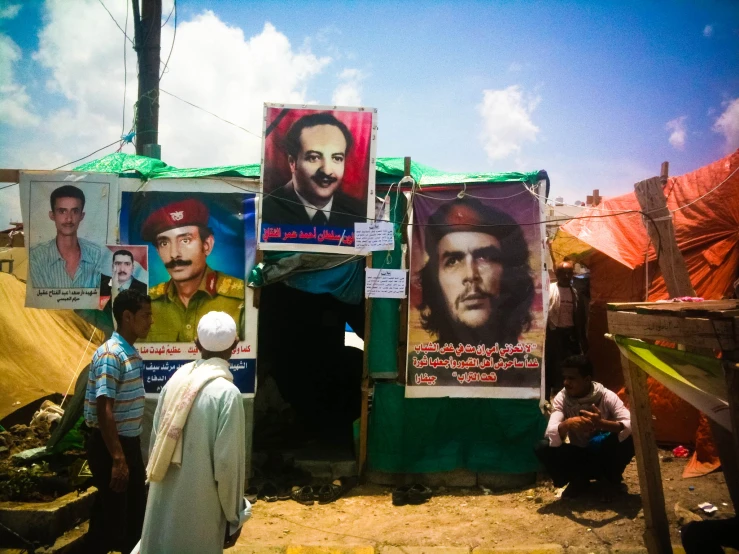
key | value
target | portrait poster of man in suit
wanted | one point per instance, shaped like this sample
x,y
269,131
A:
x,y
128,270
317,176
476,322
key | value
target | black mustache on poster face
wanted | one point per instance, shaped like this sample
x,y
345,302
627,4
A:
x,y
322,179
178,262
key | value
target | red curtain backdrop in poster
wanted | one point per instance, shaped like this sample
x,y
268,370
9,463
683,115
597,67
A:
x,y
277,170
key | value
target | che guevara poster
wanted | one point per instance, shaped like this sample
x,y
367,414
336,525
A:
x,y
476,321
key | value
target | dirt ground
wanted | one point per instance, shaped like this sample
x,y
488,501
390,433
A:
x,y
470,517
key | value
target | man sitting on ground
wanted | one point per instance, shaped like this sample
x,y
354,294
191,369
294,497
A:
x,y
598,427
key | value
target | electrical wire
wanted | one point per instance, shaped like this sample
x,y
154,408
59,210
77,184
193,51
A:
x,y
211,113
75,375
90,154
174,36
170,15
125,74
707,193
114,20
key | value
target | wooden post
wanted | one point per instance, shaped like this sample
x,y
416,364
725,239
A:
x,y
147,32
657,531
403,327
364,416
729,451
662,233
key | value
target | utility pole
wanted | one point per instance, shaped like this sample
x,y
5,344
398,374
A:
x,y
147,43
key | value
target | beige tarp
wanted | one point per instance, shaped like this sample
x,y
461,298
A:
x,y
40,350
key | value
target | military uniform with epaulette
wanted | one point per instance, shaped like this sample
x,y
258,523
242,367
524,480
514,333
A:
x,y
173,322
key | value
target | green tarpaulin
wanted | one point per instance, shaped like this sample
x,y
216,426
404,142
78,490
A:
x,y
423,435
409,435
388,170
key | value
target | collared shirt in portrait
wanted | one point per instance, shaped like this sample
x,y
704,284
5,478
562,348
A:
x,y
49,269
175,322
311,210
116,372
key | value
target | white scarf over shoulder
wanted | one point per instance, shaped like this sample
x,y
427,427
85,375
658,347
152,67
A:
x,y
182,389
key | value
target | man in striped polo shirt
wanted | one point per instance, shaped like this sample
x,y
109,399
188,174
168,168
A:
x,y
114,407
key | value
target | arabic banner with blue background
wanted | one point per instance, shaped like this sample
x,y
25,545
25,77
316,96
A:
x,y
201,247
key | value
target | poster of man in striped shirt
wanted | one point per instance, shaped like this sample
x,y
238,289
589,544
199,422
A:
x,y
66,229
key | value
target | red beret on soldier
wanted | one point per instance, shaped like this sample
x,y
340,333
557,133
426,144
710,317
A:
x,y
174,215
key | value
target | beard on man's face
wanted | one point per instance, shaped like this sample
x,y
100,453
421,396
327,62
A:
x,y
471,330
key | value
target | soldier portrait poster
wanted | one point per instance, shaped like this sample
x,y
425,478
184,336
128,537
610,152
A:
x,y
476,317
318,176
201,247
67,220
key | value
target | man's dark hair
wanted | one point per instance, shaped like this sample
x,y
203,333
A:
x,y
128,300
66,191
122,252
581,363
204,232
513,307
292,139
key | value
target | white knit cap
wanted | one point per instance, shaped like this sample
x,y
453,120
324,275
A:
x,y
216,331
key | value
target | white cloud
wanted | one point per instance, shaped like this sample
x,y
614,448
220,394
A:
x,y
506,120
678,132
213,65
349,90
728,124
9,11
14,101
708,31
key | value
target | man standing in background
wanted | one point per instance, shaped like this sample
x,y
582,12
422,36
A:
x,y
114,408
566,326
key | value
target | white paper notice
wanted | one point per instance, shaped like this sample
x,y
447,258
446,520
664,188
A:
x,y
372,236
385,283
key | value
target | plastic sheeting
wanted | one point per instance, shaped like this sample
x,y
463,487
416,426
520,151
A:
x,y
41,348
614,248
423,435
382,355
388,170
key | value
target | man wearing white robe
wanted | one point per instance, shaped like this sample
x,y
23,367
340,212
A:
x,y
197,458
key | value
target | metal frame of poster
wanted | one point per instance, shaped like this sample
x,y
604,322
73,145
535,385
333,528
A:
x,y
209,225
293,185
83,220
477,294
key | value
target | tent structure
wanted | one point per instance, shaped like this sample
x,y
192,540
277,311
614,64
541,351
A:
x,y
612,242
43,350
406,435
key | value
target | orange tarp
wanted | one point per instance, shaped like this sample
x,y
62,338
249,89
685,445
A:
x,y
614,245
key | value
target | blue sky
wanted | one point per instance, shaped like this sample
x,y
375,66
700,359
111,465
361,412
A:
x,y
598,94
